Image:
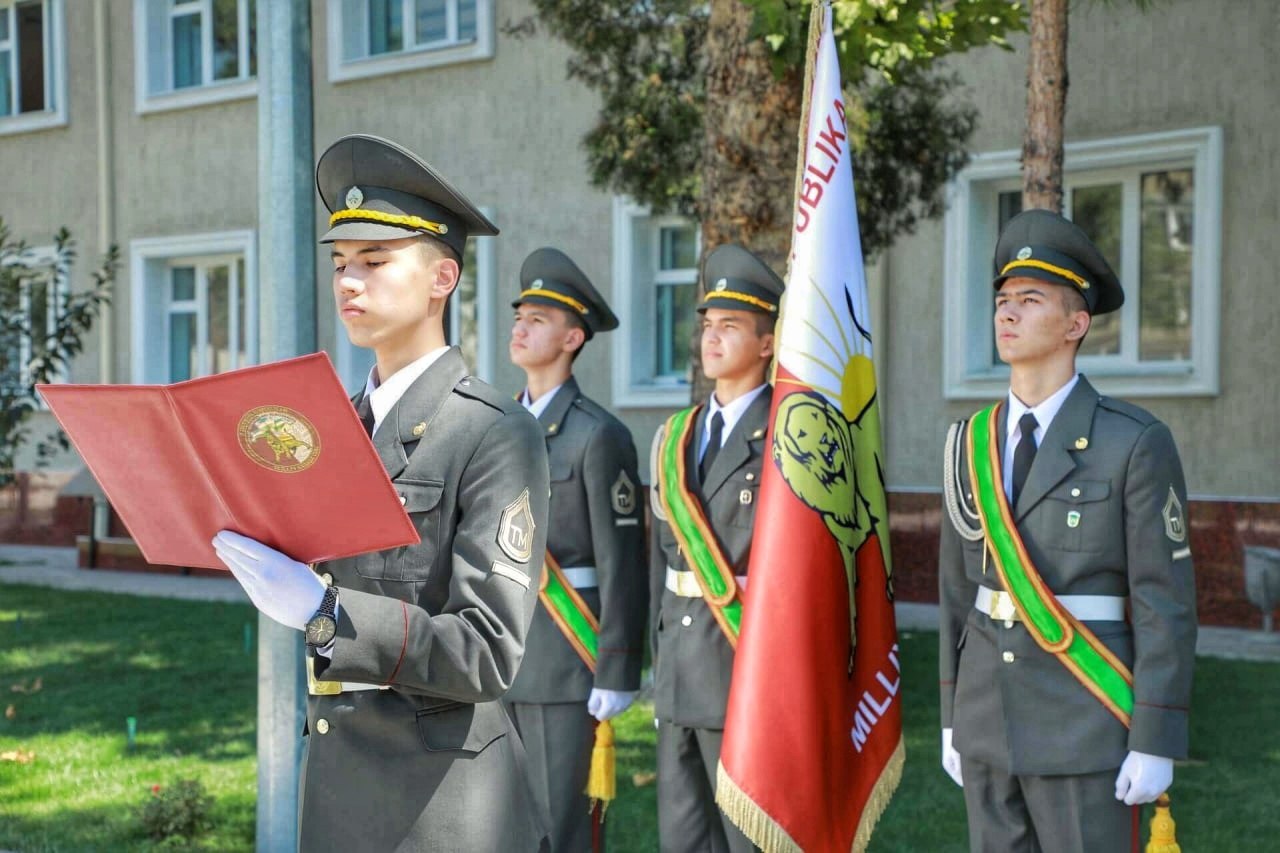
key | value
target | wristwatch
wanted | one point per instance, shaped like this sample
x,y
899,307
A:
x,y
321,627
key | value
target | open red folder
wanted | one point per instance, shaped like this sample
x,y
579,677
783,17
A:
x,y
275,452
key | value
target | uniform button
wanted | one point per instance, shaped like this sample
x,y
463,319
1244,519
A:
x,y
687,621
1075,493
750,477
327,578
322,726
402,500
1008,623
1007,657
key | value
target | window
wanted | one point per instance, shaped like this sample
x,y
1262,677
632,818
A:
x,y
195,52
370,37
468,325
1152,204
195,306
32,93
40,299
656,287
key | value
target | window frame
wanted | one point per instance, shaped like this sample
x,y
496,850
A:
x,y
47,258
55,73
151,260
632,300
412,58
970,235
210,91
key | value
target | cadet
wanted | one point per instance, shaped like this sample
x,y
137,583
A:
x,y
409,747
1068,619
586,643
706,465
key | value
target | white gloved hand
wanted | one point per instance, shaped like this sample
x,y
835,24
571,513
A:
x,y
951,759
1143,777
603,704
281,587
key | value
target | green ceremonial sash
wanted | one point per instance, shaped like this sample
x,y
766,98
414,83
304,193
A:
x,y
1054,629
692,531
570,612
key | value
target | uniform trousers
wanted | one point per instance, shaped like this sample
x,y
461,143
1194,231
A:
x,y
689,821
558,738
1045,814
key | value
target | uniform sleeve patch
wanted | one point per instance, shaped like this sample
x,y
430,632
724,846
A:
x,y
1175,526
515,529
623,494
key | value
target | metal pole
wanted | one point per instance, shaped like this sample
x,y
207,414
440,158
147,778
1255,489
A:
x,y
287,287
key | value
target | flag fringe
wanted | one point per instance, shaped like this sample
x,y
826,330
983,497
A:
x,y
881,794
755,822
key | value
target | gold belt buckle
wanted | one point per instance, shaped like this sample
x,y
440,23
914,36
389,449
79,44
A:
x,y
318,687
1002,607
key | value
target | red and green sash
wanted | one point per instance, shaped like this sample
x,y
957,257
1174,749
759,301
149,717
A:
x,y
1054,629
570,612
693,532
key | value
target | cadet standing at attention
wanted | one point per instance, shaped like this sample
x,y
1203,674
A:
x,y
409,649
706,477
1068,620
586,643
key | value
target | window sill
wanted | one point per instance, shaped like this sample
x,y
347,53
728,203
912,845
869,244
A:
x,y
652,396
342,70
1166,380
197,96
29,122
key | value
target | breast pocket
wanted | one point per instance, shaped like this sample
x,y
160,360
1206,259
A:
x,y
421,499
1076,516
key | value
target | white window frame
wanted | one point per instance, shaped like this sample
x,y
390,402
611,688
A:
x,y
208,92
150,259
353,362
55,72
42,256
970,236
411,57
633,302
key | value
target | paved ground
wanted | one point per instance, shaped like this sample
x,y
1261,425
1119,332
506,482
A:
x,y
56,567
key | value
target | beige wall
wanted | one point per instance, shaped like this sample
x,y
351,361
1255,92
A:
x,y
1186,64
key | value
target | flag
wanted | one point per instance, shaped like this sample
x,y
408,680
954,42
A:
x,y
813,747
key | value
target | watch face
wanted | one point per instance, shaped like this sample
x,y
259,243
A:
x,y
320,630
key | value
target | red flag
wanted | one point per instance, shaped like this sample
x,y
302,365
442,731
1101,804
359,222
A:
x,y
813,741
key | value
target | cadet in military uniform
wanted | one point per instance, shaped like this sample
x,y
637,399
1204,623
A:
x,y
409,747
706,477
1068,620
586,644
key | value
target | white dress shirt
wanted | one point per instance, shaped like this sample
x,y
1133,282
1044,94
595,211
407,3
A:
x,y
731,412
1044,413
538,406
384,394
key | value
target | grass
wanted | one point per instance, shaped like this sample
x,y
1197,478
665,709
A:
x,y
181,669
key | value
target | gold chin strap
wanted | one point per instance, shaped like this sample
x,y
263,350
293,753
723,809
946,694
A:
x,y
558,297
741,297
1042,265
415,222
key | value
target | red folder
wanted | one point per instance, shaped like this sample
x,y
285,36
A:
x,y
275,452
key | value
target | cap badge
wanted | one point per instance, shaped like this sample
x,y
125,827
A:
x,y
355,198
722,284
1024,253
536,285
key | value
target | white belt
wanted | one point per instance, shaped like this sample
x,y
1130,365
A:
x,y
580,577
998,604
686,585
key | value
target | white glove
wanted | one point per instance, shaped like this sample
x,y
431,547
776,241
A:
x,y
603,704
951,759
1143,777
281,587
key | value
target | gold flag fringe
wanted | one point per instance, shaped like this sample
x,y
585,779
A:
x,y
755,823
881,794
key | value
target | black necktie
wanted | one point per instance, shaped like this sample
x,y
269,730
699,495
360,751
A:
x,y
1023,455
365,411
713,446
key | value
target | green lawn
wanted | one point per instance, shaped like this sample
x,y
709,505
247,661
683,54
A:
x,y
181,669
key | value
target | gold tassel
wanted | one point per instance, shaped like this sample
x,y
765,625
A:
x,y
602,783
1163,838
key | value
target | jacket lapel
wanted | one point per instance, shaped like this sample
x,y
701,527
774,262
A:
x,y
409,420
552,418
737,447
1053,460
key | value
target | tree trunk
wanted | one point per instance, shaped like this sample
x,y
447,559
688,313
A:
x,y
1046,106
751,132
